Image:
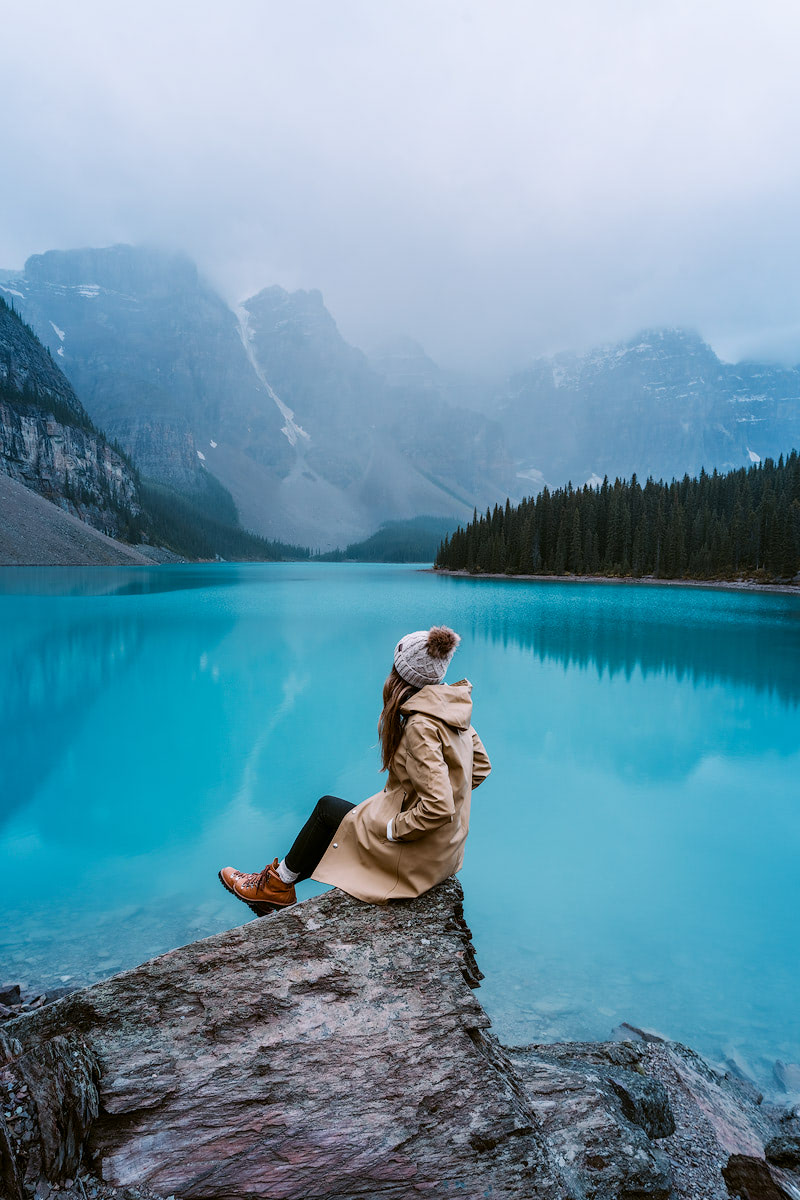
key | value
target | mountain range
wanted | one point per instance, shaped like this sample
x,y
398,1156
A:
x,y
661,404
51,450
312,441
265,405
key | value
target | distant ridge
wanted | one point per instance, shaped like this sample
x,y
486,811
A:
x,y
661,403
318,444
398,542
314,444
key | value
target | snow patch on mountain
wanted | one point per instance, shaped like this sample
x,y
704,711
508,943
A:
x,y
754,458
291,430
58,332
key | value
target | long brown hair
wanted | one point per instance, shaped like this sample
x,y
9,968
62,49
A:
x,y
391,722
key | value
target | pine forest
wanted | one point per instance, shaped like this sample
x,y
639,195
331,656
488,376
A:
x,y
718,526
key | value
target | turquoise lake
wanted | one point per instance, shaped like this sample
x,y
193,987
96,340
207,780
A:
x,y
633,857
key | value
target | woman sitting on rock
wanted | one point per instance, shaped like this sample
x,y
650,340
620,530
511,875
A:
x,y
410,836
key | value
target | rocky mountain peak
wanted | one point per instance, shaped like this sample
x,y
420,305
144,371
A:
x,y
652,351
659,403
402,360
289,315
131,270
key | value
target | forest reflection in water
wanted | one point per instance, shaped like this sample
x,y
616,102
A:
x,y
752,639
158,722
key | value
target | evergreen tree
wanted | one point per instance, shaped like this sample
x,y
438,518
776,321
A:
x,y
716,526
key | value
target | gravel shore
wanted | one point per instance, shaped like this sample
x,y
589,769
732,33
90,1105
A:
x,y
34,532
730,585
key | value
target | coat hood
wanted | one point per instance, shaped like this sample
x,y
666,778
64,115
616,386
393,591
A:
x,y
449,703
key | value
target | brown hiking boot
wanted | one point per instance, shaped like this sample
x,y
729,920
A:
x,y
262,891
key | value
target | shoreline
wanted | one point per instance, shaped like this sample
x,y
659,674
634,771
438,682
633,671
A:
x,y
728,585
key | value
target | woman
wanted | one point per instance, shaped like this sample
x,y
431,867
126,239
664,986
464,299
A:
x,y
410,836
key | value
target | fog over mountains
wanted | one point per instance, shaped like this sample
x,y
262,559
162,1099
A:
x,y
660,404
319,444
310,439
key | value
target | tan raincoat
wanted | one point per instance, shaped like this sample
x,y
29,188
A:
x,y
439,761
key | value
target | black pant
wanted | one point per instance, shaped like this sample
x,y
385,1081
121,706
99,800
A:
x,y
316,835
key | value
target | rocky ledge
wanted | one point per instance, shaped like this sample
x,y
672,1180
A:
x,y
337,1050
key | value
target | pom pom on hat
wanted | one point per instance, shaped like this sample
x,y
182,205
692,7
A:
x,y
442,642
423,657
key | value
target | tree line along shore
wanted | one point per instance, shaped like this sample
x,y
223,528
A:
x,y
745,523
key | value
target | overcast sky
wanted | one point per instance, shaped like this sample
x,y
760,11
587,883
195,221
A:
x,y
497,179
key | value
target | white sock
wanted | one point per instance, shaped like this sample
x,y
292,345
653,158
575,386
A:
x,y
285,874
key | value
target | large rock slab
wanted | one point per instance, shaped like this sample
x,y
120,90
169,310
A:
x,y
575,1093
337,1050
630,1120
334,1050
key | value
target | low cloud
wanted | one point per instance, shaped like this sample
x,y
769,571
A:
x,y
497,181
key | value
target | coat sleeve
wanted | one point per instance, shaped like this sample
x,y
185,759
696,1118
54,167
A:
x,y
481,767
430,779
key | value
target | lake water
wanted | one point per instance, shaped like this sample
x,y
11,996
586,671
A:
x,y
634,856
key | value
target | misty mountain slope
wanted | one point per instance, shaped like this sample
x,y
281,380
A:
x,y
47,441
319,445
394,447
328,384
313,443
156,356
403,361
661,404
49,444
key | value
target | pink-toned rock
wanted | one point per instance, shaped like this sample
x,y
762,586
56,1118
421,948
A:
x,y
334,1050
337,1051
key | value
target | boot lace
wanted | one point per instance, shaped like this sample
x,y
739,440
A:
x,y
258,879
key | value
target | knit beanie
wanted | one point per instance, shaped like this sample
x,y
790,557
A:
x,y
424,656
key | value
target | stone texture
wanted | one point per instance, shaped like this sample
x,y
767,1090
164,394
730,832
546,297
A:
x,y
715,1117
337,1050
34,532
645,1103
751,1179
784,1150
70,466
59,1074
47,441
599,1150
11,1181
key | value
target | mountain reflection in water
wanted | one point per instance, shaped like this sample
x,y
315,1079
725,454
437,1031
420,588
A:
x,y
632,857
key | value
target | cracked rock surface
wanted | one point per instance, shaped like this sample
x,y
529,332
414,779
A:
x,y
337,1050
